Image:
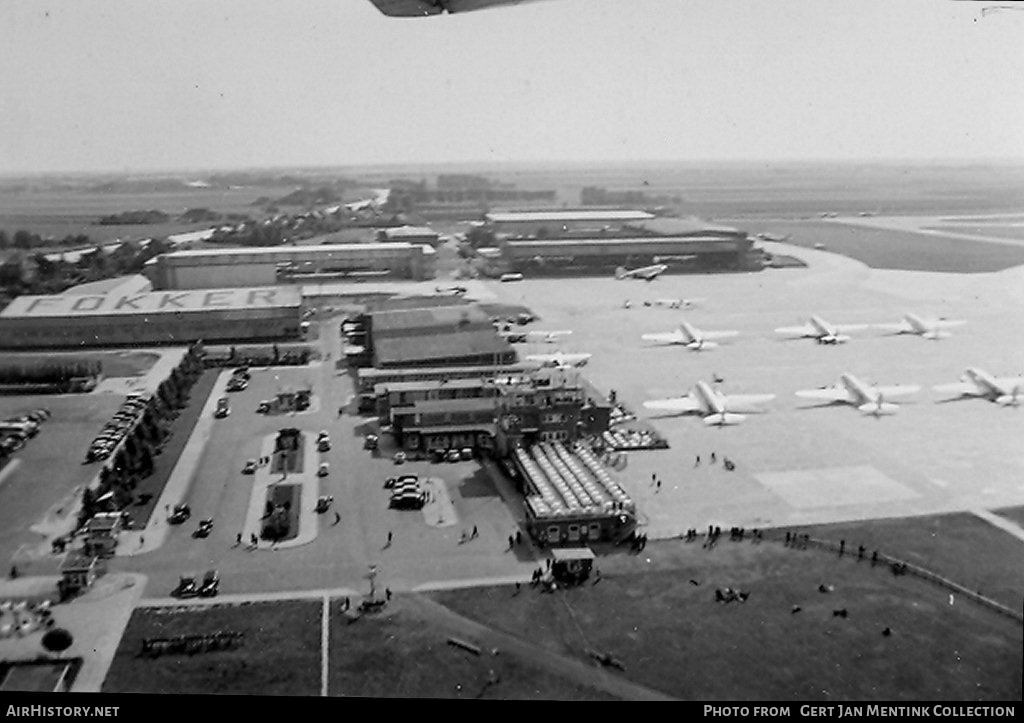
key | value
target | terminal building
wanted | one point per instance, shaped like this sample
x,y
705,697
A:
x,y
235,267
166,317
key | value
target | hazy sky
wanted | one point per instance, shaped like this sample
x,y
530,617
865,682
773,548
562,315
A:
x,y
90,85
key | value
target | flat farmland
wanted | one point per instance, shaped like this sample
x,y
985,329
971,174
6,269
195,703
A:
x,y
59,213
892,249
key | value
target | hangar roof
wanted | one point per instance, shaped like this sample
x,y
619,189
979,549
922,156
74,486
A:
x,y
437,316
157,302
439,346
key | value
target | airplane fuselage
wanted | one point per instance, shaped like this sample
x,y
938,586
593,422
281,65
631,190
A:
x,y
708,398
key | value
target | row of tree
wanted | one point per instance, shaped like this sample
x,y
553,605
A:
x,y
59,374
133,461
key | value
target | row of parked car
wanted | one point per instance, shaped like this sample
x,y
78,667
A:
x,y
15,431
119,426
406,492
437,455
239,380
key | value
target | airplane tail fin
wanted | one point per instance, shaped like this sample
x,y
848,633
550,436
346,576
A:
x,y
620,272
1013,399
723,420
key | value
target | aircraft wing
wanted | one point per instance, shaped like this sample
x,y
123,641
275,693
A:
x,y
677,405
847,328
419,8
898,390
711,335
747,403
962,388
827,394
805,330
670,337
900,327
1010,382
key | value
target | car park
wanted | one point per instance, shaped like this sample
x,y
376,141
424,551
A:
x,y
250,467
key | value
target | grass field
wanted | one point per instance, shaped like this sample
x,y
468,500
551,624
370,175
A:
x,y
1011,232
670,635
396,655
961,547
1012,513
115,363
279,653
886,249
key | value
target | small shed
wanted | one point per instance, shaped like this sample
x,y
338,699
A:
x,y
78,571
571,564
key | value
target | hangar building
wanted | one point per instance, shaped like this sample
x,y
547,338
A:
x,y
233,267
551,224
165,317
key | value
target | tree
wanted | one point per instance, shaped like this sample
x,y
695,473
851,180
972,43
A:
x,y
23,239
4,241
57,640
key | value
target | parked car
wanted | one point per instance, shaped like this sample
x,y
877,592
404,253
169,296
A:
x,y
324,503
466,453
437,455
186,587
250,467
204,529
370,441
453,455
400,457
323,470
179,514
242,373
263,407
323,445
211,584
408,500
223,409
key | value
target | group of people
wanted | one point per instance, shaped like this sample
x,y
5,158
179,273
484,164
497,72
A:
x,y
726,462
639,542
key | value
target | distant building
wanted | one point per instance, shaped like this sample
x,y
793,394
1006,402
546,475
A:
x,y
409,234
372,382
234,267
464,348
542,224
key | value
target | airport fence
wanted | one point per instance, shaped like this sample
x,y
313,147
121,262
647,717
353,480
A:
x,y
902,567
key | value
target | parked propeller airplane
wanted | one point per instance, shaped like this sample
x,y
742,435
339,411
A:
x,y
646,273
543,337
718,409
821,331
867,398
419,8
674,303
690,336
560,360
1005,391
927,328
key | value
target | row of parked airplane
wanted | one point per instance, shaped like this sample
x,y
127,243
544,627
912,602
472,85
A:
x,y
817,328
720,409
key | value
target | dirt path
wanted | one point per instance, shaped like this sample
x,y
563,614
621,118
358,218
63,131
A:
x,y
573,670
